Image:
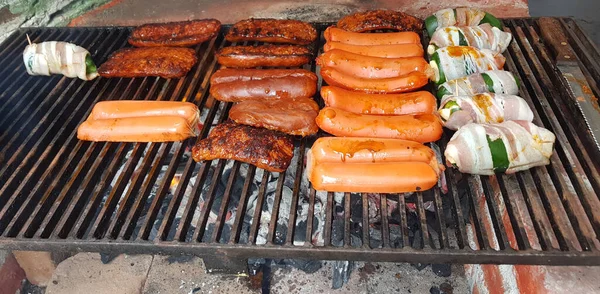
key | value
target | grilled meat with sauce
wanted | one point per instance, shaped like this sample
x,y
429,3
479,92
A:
x,y
265,55
165,62
272,31
380,20
176,34
267,149
294,117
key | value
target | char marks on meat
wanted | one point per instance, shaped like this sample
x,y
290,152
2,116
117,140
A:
x,y
177,34
272,31
380,20
267,149
294,117
166,62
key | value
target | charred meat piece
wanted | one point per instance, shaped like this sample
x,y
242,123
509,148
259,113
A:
x,y
265,55
177,34
380,20
295,117
263,148
165,62
235,85
272,31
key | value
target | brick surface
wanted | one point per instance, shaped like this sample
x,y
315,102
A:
x,y
188,275
38,266
85,273
11,274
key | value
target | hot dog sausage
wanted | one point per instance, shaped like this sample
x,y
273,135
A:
x,y
406,83
421,128
396,177
357,102
387,51
132,108
371,67
333,34
137,129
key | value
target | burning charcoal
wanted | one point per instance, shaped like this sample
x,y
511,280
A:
x,y
337,231
441,270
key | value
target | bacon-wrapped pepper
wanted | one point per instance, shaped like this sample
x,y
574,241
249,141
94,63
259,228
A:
x,y
461,16
457,111
493,81
509,147
55,57
455,62
483,36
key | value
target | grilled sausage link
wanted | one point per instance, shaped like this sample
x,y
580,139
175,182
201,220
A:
x,y
165,62
272,31
265,55
380,20
177,34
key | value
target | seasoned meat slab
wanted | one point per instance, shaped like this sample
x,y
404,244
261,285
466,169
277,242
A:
x,y
272,31
294,117
177,34
165,62
267,149
380,20
265,55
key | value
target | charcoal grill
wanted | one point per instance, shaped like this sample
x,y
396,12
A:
x,y
58,193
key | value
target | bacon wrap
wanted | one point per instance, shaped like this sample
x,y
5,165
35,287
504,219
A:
x,y
503,82
55,57
457,111
526,144
455,62
464,16
483,36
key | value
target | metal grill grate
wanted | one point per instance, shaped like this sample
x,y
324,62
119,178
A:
x,y
57,192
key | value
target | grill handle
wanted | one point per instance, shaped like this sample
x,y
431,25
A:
x,y
553,34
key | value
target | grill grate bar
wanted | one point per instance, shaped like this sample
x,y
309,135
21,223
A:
x,y
296,193
403,220
480,210
258,208
427,242
242,205
328,220
233,175
347,220
310,218
366,226
502,226
275,211
441,220
522,228
459,217
385,231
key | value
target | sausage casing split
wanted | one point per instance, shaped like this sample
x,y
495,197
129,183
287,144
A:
x,y
371,67
386,104
406,83
176,34
165,62
386,51
264,55
272,31
137,129
422,128
333,34
380,20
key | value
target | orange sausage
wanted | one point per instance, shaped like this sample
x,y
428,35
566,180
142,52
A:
x,y
396,177
357,102
406,83
421,128
387,51
136,108
137,129
371,67
371,150
333,34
